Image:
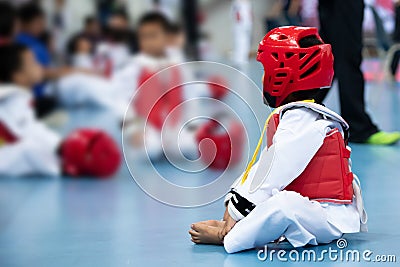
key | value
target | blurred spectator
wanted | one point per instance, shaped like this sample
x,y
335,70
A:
x,y
33,34
107,7
80,52
284,12
119,43
291,11
190,20
8,23
92,30
341,27
396,39
32,21
59,21
273,15
118,30
242,28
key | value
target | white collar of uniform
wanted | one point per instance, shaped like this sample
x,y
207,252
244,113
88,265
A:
x,y
9,90
317,108
151,62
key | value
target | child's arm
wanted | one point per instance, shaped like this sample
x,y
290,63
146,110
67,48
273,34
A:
x,y
34,148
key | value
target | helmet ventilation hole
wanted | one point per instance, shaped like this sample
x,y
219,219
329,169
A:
x,y
310,71
313,55
289,54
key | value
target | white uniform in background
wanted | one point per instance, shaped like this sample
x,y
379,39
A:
x,y
126,79
33,149
242,27
111,57
83,61
299,135
88,89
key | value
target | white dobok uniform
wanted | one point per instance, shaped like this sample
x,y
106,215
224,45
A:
x,y
116,54
78,89
34,150
300,134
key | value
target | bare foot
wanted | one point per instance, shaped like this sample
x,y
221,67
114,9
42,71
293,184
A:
x,y
214,223
205,234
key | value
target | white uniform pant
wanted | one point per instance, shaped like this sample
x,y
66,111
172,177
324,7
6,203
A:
x,y
287,214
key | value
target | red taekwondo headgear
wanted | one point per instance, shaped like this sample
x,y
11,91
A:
x,y
294,59
90,152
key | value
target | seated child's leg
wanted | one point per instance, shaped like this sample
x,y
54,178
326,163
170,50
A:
x,y
286,213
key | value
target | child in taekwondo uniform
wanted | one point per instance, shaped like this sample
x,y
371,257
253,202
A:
x,y
302,187
27,146
156,96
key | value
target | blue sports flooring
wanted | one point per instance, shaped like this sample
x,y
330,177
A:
x,y
84,222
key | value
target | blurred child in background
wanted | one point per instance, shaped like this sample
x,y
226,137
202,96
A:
x,y
28,147
92,30
80,52
25,142
33,25
154,41
88,85
77,84
119,42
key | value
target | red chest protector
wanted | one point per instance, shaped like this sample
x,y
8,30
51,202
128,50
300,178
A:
x,y
327,177
158,96
6,137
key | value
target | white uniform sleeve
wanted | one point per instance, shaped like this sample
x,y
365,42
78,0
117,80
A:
x,y
125,80
35,151
299,136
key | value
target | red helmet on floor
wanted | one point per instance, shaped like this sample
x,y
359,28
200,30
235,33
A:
x,y
226,146
90,152
294,59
